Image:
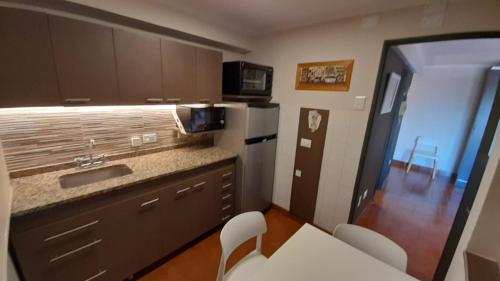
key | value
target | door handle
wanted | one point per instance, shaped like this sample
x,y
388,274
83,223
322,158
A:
x,y
182,192
173,100
199,186
154,100
150,202
78,100
82,227
72,252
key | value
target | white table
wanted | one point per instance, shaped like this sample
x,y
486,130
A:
x,y
313,255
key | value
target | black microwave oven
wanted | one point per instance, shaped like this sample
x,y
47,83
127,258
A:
x,y
240,78
193,119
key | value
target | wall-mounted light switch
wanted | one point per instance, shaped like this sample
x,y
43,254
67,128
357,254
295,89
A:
x,y
305,142
359,103
298,173
149,138
135,141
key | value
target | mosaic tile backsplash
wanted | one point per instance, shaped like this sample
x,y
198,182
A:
x,y
38,137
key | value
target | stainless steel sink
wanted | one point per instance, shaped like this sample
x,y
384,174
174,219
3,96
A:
x,y
91,176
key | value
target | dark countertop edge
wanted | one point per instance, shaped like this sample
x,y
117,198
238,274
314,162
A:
x,y
111,189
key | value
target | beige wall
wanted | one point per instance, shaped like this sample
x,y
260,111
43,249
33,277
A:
x,y
345,39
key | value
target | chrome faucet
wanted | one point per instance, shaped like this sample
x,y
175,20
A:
x,y
89,161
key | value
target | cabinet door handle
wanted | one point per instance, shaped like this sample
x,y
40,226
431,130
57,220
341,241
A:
x,y
71,231
78,100
101,273
72,252
200,184
173,100
154,100
226,186
226,197
204,100
150,202
226,218
227,174
226,207
182,192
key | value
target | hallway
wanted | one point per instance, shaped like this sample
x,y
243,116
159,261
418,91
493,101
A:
x,y
415,212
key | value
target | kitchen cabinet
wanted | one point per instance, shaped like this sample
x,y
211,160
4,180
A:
x,y
85,61
138,63
208,76
71,249
189,209
122,232
27,73
179,72
52,60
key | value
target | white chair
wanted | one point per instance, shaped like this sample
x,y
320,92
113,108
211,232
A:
x,y
373,244
425,149
237,231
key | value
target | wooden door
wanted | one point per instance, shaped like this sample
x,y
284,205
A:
x,y
401,96
27,73
179,72
208,76
307,168
379,135
85,61
138,62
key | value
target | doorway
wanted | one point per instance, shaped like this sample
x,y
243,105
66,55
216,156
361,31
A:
x,y
447,93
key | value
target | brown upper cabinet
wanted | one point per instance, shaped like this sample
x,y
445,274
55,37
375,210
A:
x,y
27,73
208,76
138,62
85,61
51,60
179,72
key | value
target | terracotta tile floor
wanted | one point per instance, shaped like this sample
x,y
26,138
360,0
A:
x,y
417,213
200,262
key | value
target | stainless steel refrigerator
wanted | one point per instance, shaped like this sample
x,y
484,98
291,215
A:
x,y
251,132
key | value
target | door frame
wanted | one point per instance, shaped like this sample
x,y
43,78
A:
x,y
452,242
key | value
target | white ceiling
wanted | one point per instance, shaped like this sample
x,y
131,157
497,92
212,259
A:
x,y
256,17
473,52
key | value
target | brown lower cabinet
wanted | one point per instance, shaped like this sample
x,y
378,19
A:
x,y
116,237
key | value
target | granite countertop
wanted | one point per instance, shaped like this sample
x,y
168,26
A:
x,y
41,191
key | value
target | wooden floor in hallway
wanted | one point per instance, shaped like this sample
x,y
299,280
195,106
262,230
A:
x,y
417,213
200,262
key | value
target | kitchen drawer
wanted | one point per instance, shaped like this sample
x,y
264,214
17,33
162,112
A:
x,y
70,248
227,174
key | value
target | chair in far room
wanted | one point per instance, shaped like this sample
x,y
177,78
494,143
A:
x,y
238,230
373,244
427,149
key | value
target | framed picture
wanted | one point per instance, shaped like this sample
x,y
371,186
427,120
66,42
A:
x,y
324,76
390,92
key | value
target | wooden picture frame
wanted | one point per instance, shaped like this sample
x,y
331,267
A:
x,y
324,76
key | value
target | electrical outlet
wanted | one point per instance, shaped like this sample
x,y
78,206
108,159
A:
x,y
365,194
149,138
135,141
